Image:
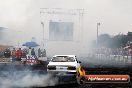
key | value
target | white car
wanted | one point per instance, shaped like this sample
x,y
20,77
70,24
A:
x,y
67,64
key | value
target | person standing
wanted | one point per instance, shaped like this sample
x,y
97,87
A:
x,y
39,52
13,54
44,53
18,54
29,51
7,53
33,52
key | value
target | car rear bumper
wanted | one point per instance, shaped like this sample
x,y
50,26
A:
x,y
62,73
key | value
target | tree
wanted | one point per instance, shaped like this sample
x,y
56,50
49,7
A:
x,y
117,41
103,40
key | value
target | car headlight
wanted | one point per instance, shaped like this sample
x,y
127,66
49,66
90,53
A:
x,y
71,68
51,67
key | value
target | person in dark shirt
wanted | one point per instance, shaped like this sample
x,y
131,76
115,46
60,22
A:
x,y
33,52
7,53
39,52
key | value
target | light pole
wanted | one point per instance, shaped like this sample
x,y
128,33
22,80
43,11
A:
x,y
43,33
98,24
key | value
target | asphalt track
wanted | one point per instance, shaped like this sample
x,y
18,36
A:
x,y
93,66
102,66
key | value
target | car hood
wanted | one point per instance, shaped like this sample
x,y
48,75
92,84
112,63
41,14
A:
x,y
63,63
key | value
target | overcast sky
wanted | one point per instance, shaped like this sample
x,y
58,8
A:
x,y
115,16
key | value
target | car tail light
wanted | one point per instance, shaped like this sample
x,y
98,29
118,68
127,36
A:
x,y
51,67
71,68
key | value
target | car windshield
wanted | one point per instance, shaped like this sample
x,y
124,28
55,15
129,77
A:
x,y
63,59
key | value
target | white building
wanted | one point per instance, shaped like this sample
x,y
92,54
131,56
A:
x,y
63,32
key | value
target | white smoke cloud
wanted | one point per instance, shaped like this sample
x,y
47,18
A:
x,y
26,79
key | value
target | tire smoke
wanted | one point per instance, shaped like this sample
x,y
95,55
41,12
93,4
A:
x,y
25,79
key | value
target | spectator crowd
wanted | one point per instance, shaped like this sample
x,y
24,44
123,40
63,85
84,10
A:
x,y
18,53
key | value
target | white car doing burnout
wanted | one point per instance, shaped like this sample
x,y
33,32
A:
x,y
67,64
